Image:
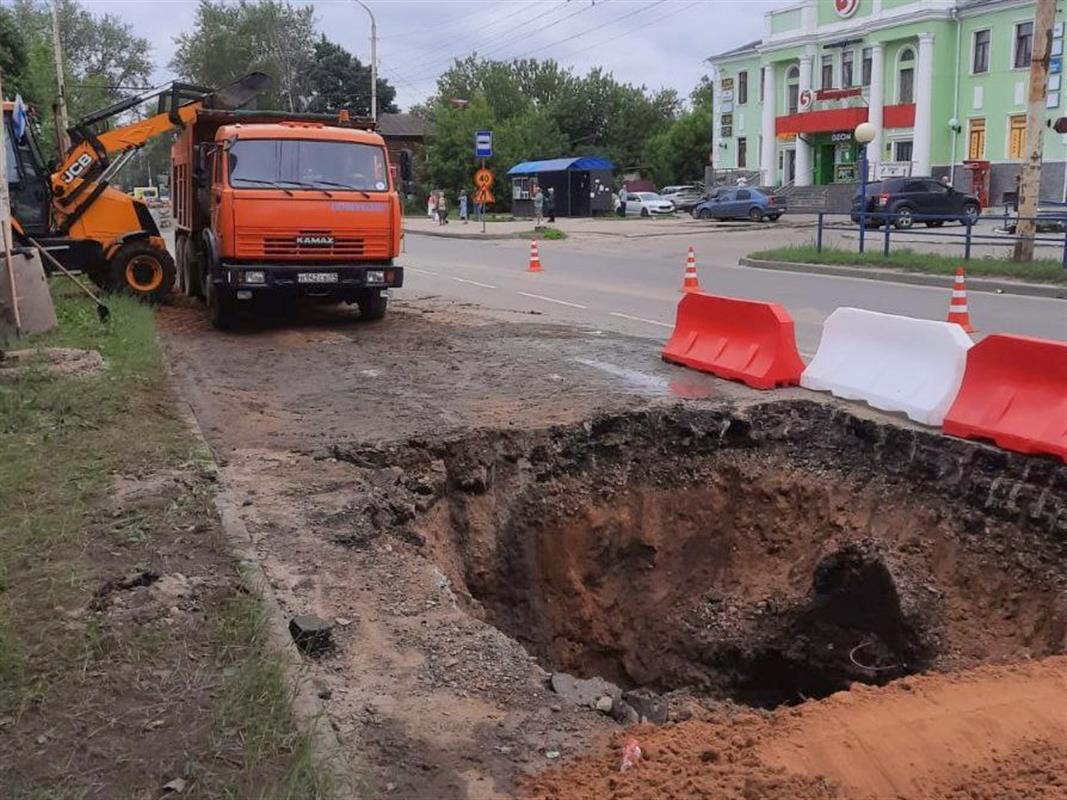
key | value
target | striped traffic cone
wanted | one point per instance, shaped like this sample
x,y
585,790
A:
x,y
690,283
957,307
535,259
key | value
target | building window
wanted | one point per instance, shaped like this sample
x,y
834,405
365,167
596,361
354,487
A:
x,y
827,72
1016,136
792,96
976,139
902,150
742,88
742,152
762,77
847,58
980,62
1024,44
867,63
906,77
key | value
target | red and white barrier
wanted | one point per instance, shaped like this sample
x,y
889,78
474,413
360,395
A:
x,y
743,340
1014,392
891,362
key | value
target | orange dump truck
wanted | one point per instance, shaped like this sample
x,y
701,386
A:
x,y
272,206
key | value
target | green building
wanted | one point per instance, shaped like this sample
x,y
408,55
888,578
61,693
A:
x,y
944,82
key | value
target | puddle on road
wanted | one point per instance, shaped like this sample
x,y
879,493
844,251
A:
x,y
653,384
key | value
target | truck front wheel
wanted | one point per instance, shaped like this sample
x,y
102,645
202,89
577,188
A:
x,y
220,306
142,270
372,304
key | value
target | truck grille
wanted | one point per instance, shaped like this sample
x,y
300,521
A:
x,y
312,244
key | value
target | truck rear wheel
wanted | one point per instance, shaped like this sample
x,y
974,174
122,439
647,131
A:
x,y
372,304
142,270
188,268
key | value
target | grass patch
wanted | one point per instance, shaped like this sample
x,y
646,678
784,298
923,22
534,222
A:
x,y
1043,270
77,684
547,232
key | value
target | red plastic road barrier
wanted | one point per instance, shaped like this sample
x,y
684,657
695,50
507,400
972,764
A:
x,y
1014,392
744,340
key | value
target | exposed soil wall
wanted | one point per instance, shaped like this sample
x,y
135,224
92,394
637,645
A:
x,y
767,555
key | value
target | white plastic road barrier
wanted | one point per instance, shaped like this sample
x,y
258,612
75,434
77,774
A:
x,y
893,363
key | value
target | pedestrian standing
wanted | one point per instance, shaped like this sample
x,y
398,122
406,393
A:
x,y
550,204
463,206
431,206
442,209
539,207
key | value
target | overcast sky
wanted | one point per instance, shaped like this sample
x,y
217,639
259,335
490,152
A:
x,y
655,42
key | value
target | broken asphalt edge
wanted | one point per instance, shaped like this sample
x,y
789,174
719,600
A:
x,y
309,712
992,285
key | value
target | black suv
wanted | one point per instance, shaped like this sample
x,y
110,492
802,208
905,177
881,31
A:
x,y
905,201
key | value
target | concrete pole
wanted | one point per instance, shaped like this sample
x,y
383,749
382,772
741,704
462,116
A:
x,y
62,124
1030,179
373,62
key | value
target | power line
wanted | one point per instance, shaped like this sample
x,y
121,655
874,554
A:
x,y
641,26
451,24
424,62
591,30
581,10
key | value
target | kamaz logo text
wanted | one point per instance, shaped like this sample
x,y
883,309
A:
x,y
77,168
314,241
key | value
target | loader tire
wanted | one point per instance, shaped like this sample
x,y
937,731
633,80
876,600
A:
x,y
143,271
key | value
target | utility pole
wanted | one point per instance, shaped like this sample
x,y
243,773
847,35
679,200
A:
x,y
62,140
1030,178
373,62
5,234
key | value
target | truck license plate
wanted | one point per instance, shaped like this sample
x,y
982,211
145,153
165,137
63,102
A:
x,y
317,277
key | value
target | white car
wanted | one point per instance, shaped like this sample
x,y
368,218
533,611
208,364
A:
x,y
683,197
645,204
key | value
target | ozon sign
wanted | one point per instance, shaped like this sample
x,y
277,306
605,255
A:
x,y
846,8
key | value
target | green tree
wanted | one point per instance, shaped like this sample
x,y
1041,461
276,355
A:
x,y
14,53
679,153
338,80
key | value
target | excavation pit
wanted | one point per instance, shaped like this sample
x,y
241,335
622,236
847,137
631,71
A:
x,y
768,555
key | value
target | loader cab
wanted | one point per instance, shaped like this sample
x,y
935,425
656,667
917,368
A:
x,y
27,178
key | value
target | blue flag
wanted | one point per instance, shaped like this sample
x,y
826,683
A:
x,y
18,118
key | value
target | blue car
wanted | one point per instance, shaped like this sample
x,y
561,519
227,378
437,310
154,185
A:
x,y
740,203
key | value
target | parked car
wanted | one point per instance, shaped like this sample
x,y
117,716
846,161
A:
x,y
683,197
1051,218
905,201
644,204
740,203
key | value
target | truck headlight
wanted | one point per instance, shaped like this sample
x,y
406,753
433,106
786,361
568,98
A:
x,y
254,276
375,276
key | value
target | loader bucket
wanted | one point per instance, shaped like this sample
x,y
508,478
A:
x,y
239,93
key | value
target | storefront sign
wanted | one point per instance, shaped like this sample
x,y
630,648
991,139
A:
x,y
726,132
1055,64
838,94
726,95
727,84
841,136
846,8
805,100
726,107
727,119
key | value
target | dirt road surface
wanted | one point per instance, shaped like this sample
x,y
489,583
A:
x,y
479,498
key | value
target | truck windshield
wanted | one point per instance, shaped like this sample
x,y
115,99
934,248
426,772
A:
x,y
307,164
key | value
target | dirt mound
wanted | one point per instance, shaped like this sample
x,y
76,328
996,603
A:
x,y
994,732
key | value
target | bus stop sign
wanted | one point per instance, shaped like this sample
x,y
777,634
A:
x,y
483,144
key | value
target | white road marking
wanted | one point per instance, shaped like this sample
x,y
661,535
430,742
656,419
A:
x,y
551,300
424,271
473,283
640,319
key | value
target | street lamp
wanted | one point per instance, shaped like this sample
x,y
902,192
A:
x,y
864,134
373,62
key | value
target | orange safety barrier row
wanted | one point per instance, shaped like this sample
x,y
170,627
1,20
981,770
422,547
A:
x,y
1014,392
744,340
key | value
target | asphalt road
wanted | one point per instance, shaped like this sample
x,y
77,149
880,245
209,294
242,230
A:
x,y
632,285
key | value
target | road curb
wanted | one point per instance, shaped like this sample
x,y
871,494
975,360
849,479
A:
x,y
467,236
991,285
309,712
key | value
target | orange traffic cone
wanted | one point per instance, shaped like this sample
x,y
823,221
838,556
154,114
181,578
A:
x,y
535,259
957,306
691,284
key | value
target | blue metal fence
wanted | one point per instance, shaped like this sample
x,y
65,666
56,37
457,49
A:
x,y
968,237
